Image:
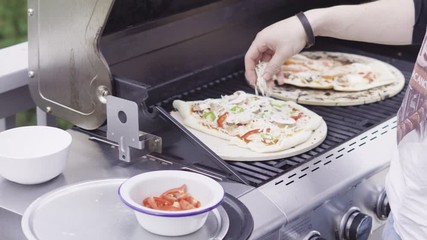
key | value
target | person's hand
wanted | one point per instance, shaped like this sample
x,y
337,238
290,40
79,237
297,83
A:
x,y
274,45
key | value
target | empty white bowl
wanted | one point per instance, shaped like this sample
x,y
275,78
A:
x,y
171,223
33,154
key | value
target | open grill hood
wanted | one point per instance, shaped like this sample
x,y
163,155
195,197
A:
x,y
76,46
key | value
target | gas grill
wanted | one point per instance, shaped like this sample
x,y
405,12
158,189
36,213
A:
x,y
344,123
107,62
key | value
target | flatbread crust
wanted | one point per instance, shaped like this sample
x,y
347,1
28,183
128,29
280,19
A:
x,y
329,97
335,71
286,136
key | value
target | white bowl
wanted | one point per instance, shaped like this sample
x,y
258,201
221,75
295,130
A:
x,y
33,154
171,223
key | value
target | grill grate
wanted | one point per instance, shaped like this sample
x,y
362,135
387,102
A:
x,y
344,123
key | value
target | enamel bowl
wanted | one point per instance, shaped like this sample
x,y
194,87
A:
x,y
171,223
33,154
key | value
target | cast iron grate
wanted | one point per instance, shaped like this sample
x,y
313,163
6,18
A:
x,y
344,123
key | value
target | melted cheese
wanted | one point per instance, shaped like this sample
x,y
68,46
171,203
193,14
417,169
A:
x,y
251,119
341,72
261,83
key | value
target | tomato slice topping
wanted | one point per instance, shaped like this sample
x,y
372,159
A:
x,y
300,114
246,135
170,208
221,120
174,193
185,205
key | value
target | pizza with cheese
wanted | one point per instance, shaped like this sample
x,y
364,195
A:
x,y
258,123
337,71
330,97
333,79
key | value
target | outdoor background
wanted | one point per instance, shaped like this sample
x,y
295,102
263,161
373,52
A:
x,y
13,22
13,30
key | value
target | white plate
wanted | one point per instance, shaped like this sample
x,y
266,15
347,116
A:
x,y
228,151
93,210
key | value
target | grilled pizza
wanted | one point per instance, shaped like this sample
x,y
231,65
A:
x,y
337,71
333,79
330,97
258,123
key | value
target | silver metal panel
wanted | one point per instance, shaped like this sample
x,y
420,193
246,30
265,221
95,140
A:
x,y
281,210
313,182
89,160
123,128
98,202
329,217
320,192
8,225
68,74
267,216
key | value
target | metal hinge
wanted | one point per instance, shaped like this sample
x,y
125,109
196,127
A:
x,y
123,128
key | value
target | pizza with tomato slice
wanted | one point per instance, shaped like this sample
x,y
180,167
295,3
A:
x,y
334,70
258,123
329,97
333,79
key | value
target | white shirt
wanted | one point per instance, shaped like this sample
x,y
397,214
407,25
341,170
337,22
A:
x,y
406,183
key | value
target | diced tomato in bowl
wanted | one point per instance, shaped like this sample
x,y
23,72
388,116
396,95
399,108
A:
x,y
175,199
171,202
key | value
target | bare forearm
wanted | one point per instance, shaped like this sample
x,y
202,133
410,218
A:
x,y
383,21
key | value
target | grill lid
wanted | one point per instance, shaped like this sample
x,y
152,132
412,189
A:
x,y
155,43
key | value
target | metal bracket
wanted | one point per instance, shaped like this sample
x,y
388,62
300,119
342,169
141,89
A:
x,y
123,128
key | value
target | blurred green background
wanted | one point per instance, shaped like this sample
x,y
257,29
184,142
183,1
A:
x,y
13,22
13,30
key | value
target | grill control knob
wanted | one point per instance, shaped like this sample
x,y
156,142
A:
x,y
382,208
358,226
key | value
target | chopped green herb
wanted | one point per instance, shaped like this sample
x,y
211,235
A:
x,y
236,109
210,116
